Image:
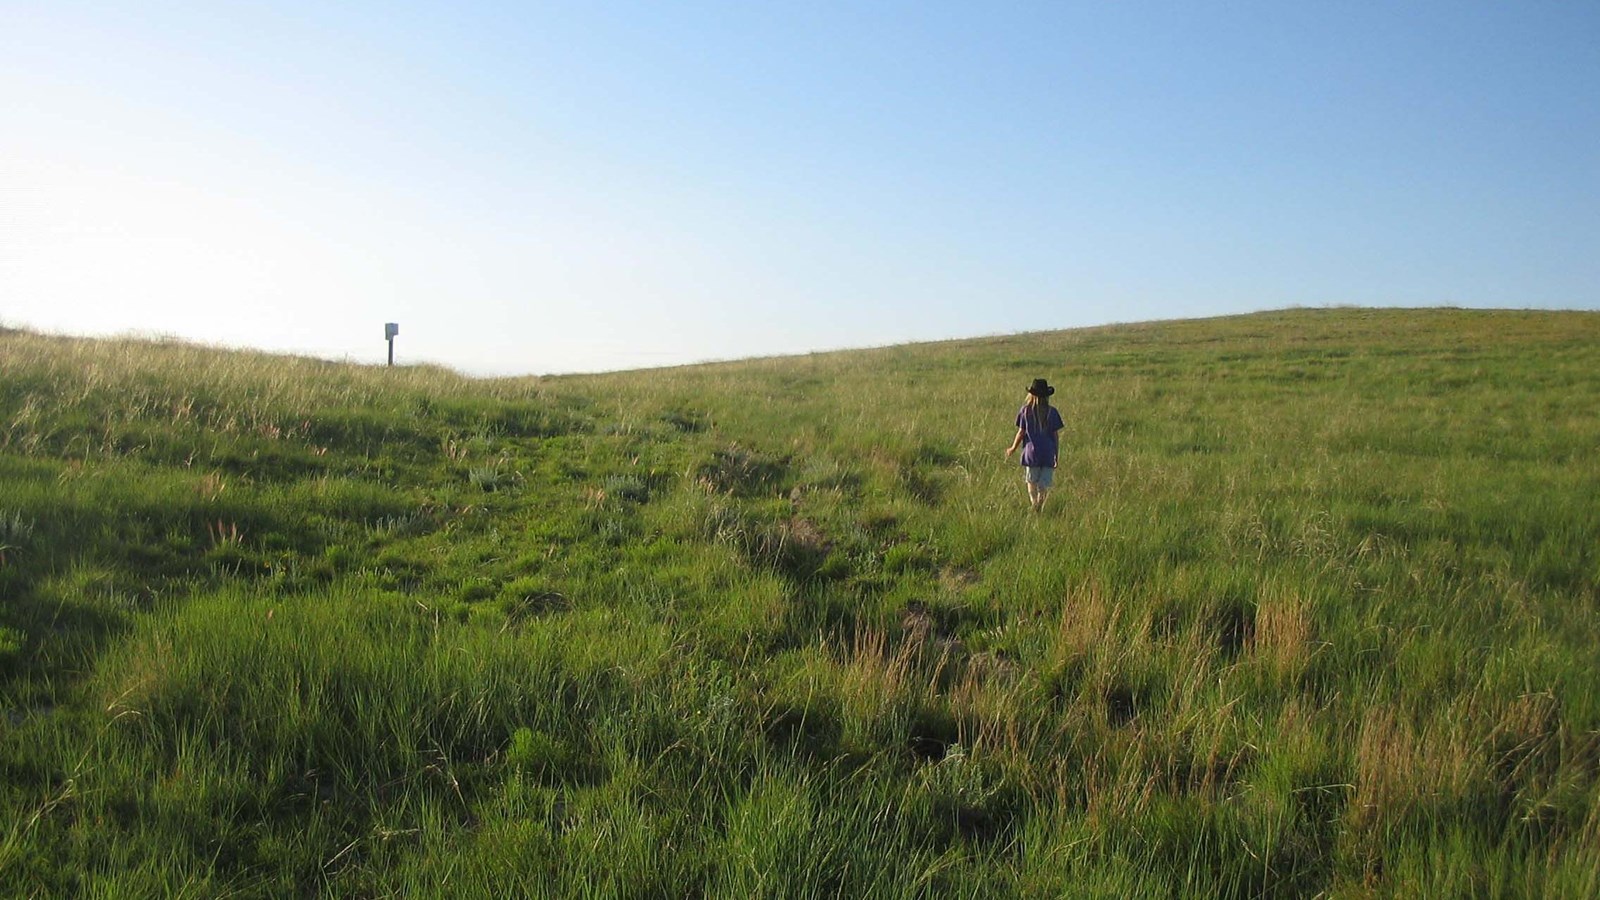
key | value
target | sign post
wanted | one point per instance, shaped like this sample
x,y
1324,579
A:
x,y
390,329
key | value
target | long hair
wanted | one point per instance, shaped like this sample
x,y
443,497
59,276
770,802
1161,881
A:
x,y
1039,412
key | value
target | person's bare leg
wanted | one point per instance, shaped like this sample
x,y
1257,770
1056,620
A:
x,y
1039,505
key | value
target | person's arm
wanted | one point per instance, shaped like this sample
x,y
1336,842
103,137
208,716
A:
x,y
1015,443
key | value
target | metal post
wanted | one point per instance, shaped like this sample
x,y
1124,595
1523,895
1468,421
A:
x,y
390,329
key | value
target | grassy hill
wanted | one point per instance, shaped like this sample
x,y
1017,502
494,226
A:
x,y
1312,609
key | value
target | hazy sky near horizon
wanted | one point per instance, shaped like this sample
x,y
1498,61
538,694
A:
x,y
554,187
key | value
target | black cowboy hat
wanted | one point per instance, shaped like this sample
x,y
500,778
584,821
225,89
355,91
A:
x,y
1040,388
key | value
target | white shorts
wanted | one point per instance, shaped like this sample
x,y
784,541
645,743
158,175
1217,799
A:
x,y
1041,476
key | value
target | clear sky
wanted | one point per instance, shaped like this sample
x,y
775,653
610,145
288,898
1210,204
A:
x,y
551,187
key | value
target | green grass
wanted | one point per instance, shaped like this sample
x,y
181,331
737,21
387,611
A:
x,y
1312,610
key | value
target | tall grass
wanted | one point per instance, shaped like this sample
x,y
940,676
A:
x,y
1310,611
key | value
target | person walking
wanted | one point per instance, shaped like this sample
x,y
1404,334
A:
x,y
1038,424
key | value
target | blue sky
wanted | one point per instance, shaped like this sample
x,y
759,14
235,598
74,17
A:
x,y
531,188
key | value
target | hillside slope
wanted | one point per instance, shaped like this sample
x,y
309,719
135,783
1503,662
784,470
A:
x,y
1312,609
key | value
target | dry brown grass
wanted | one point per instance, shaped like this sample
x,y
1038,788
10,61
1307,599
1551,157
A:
x,y
1284,632
1403,768
882,681
988,702
1090,622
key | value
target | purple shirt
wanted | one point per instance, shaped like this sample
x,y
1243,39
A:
x,y
1039,443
